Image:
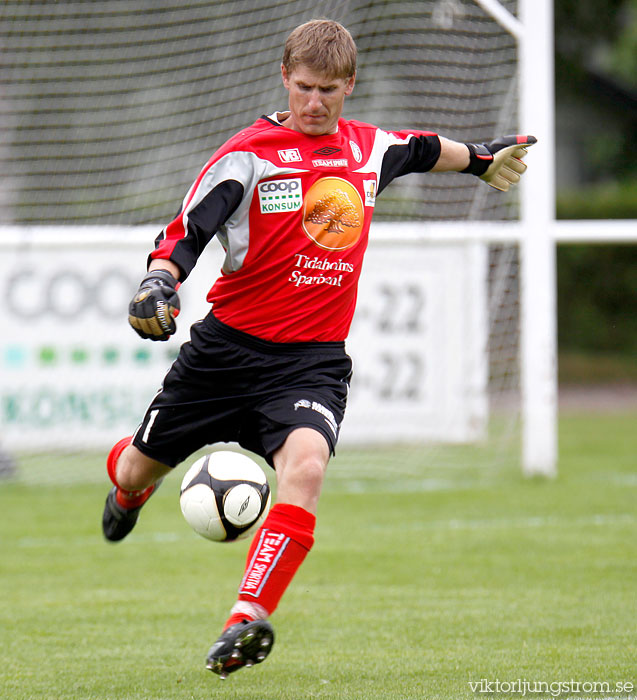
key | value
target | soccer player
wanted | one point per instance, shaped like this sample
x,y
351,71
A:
x,y
291,199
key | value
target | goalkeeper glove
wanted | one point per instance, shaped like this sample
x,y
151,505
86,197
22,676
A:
x,y
498,162
155,306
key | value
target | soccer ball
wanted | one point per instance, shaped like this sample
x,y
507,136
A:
x,y
224,496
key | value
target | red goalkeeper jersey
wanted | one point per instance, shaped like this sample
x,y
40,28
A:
x,y
293,214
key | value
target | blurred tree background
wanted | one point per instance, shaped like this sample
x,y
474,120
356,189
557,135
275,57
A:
x,y
596,174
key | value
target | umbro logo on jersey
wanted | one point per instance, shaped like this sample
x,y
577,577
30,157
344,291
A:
x,y
290,155
326,151
280,195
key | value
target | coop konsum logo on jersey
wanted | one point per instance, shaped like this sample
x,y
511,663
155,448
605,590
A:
x,y
333,213
280,195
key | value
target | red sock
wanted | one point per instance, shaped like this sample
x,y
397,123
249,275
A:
x,y
126,499
277,550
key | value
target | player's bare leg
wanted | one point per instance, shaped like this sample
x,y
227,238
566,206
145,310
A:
x,y
136,477
300,466
276,552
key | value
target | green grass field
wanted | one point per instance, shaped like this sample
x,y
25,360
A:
x,y
416,586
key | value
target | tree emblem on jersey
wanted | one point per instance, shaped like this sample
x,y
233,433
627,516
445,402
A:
x,y
333,213
336,210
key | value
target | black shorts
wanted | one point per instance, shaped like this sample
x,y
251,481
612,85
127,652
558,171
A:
x,y
228,386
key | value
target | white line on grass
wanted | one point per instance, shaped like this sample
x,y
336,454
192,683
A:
x,y
150,538
598,520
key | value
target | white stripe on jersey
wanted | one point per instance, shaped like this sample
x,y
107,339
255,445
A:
x,y
247,169
382,141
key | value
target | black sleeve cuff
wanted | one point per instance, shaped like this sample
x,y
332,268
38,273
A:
x,y
480,158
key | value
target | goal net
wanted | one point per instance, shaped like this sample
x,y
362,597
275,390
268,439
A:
x,y
108,112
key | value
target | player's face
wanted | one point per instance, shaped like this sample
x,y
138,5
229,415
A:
x,y
316,101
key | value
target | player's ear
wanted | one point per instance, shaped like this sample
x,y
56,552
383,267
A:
x,y
349,87
285,77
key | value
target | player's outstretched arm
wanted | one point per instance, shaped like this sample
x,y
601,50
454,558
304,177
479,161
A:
x,y
155,306
499,162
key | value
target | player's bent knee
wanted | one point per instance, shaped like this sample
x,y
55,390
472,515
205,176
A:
x,y
306,474
136,471
312,469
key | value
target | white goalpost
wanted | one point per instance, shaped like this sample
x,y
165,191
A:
x,y
538,274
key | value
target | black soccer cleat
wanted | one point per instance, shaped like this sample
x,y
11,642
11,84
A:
x,y
117,522
244,644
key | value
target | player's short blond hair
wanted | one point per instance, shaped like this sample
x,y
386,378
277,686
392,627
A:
x,y
323,46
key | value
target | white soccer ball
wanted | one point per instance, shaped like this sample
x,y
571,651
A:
x,y
225,496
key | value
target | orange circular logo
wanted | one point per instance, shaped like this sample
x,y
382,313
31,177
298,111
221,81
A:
x,y
333,213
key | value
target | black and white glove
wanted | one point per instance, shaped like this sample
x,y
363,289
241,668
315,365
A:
x,y
155,306
499,162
